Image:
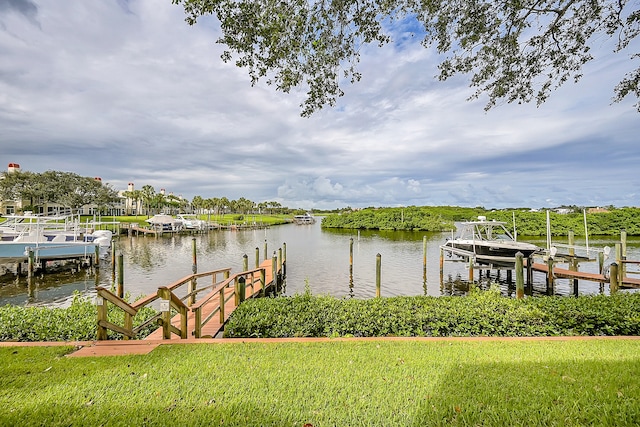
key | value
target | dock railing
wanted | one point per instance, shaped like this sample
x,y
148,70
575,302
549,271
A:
x,y
169,301
240,282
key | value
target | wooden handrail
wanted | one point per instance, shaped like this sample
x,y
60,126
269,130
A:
x,y
104,295
176,303
219,291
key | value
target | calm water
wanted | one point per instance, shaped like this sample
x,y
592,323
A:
x,y
315,257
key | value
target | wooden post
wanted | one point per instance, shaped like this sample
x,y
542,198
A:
x,y
266,255
351,252
519,275
101,305
572,250
441,267
550,282
284,259
121,276
245,262
194,267
31,264
263,279
573,266
113,260
470,269
378,274
424,264
619,261
274,272
222,305
530,272
241,287
257,257
165,308
623,254
97,257
424,253
613,278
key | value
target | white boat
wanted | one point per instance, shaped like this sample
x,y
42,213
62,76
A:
x,y
191,222
49,238
489,242
307,218
163,222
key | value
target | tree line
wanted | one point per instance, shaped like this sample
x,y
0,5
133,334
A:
x,y
73,191
64,188
527,222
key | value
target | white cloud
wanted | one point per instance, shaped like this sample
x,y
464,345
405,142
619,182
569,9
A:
x,y
129,92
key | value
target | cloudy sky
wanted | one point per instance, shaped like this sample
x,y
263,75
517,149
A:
x,y
127,91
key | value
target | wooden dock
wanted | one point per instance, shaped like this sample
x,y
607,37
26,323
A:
x,y
201,313
211,305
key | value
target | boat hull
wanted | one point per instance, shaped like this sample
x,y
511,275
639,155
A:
x,y
489,253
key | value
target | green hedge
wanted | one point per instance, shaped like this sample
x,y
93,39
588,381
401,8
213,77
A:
x,y
74,323
482,313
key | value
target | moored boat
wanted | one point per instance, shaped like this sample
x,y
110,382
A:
x,y
489,242
307,218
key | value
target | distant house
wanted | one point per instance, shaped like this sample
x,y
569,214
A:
x,y
597,210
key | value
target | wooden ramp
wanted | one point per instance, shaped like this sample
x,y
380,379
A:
x,y
212,306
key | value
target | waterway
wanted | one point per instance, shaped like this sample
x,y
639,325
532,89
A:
x,y
316,258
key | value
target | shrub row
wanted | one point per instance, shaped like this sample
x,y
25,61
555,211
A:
x,y
482,313
74,323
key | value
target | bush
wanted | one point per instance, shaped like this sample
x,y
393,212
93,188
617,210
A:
x,y
482,313
74,323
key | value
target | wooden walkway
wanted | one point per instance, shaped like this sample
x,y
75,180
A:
x,y
214,326
197,318
563,273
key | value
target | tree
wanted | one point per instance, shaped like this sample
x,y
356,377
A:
x,y
19,185
148,193
515,50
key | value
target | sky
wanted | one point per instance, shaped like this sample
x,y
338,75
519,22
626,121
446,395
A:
x,y
127,91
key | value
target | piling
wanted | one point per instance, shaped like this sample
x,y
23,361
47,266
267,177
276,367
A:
x,y
550,282
613,278
120,289
113,260
266,255
441,266
623,253
31,263
96,261
194,267
241,288
245,262
470,269
378,273
284,259
519,275
274,271
257,257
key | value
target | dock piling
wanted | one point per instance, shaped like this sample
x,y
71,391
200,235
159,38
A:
x,y
378,274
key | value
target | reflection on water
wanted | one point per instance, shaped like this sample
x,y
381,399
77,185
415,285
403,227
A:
x,y
324,260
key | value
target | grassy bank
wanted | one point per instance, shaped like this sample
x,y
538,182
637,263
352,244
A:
x,y
332,383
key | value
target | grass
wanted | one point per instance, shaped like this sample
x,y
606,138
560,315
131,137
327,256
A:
x,y
330,383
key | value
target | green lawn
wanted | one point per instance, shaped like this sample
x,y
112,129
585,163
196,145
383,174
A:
x,y
330,383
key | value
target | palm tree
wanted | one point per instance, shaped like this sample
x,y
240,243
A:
x,y
148,193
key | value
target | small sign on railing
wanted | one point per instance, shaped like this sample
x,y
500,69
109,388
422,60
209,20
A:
x,y
164,306
99,300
